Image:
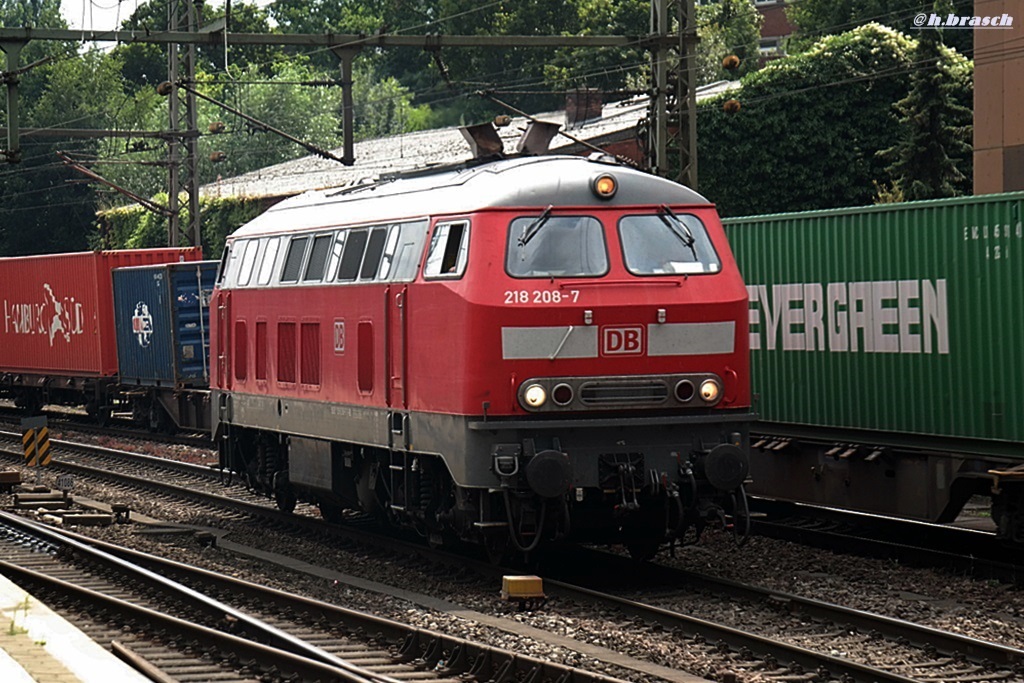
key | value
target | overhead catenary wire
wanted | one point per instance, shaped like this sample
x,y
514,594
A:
x,y
476,86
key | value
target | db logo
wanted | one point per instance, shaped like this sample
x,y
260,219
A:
x,y
622,341
339,336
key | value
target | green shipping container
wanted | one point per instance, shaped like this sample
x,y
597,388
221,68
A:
x,y
896,324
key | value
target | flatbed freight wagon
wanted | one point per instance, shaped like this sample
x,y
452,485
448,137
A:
x,y
57,340
886,355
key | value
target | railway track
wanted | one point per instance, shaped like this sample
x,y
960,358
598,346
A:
x,y
10,419
820,632
172,618
964,550
815,629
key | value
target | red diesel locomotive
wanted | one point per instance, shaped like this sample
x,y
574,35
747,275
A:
x,y
508,353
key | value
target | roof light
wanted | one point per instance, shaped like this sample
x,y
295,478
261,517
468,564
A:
x,y
604,186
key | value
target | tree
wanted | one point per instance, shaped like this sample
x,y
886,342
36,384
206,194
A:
x,y
383,106
933,155
727,27
146,64
815,19
810,126
608,69
44,205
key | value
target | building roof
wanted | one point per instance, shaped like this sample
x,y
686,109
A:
x,y
420,150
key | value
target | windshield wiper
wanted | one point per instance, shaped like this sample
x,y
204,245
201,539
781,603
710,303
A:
x,y
533,228
686,237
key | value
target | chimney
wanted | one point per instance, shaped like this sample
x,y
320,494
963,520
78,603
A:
x,y
581,106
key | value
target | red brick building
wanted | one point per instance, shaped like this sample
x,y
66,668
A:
x,y
775,28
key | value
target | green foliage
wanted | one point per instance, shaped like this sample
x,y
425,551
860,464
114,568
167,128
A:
x,y
383,107
609,69
727,27
933,155
815,19
132,227
45,205
222,216
146,64
810,126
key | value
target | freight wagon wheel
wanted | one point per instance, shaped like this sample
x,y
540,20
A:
x,y
93,410
30,402
160,421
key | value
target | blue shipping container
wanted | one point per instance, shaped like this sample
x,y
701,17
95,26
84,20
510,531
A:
x,y
163,323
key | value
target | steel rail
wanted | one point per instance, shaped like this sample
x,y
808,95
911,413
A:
x,y
738,639
458,654
917,635
204,471
308,667
204,604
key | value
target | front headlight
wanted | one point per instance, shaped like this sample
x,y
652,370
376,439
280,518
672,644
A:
x,y
535,396
710,390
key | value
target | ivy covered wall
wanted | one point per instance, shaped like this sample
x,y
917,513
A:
x,y
810,127
132,227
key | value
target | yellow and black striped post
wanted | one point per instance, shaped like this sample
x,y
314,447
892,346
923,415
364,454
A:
x,y
35,439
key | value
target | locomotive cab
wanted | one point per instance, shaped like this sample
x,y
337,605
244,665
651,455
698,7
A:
x,y
509,353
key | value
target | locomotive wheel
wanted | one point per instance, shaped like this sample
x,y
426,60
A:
x,y
284,498
643,549
496,546
740,515
285,501
331,513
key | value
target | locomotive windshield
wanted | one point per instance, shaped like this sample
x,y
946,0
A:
x,y
667,243
556,246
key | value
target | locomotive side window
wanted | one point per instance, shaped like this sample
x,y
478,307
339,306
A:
x,y
232,258
374,250
222,268
667,244
389,252
408,251
448,250
248,261
352,257
556,246
318,258
267,263
293,259
335,257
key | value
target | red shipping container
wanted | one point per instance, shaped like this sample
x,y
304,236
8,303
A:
x,y
58,310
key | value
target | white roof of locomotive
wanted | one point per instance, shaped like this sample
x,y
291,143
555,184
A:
x,y
521,182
